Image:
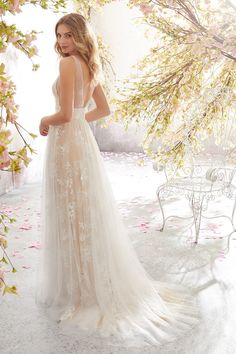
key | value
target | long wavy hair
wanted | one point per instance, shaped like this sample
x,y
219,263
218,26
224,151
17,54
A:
x,y
84,40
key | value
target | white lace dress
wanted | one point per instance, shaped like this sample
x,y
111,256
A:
x,y
89,276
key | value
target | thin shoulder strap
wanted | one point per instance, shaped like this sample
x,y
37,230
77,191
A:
x,y
79,76
83,92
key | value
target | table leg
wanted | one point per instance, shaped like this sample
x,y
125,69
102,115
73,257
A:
x,y
233,212
196,205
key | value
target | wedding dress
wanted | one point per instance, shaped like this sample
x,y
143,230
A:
x,y
89,276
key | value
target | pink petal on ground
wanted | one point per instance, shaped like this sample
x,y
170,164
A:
x,y
7,210
26,267
17,254
36,245
143,224
25,227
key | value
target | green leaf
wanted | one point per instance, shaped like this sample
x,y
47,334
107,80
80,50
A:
x,y
4,260
34,136
10,290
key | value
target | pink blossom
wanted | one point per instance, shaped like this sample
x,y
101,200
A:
x,y
3,242
4,158
15,7
12,118
146,9
13,39
9,103
4,86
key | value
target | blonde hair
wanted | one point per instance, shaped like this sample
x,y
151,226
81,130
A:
x,y
84,40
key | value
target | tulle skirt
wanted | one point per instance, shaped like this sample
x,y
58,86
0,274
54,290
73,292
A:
x,y
89,276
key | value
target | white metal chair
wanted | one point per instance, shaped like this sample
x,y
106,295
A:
x,y
200,183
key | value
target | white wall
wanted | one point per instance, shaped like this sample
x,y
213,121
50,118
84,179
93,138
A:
x,y
116,24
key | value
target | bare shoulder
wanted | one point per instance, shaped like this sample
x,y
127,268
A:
x,y
67,64
97,87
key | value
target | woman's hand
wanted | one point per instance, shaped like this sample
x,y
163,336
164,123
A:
x,y
43,127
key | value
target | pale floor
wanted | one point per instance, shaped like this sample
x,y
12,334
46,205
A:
x,y
169,256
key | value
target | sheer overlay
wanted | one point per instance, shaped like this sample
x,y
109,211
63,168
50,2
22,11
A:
x,y
89,276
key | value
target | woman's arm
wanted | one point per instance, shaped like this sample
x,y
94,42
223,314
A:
x,y
67,77
102,108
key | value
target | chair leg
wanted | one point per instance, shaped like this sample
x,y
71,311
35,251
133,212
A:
x,y
197,204
233,212
162,210
229,240
232,222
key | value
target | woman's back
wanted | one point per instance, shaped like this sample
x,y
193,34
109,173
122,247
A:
x,y
84,86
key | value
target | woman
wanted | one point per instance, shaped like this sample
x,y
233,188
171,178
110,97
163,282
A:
x,y
90,276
